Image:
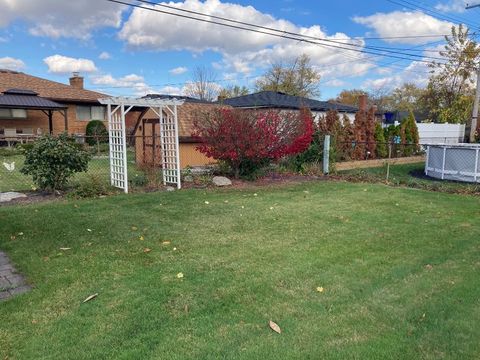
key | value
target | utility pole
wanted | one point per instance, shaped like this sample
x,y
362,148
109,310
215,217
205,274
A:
x,y
473,124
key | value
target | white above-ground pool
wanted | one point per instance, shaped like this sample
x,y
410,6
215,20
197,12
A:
x,y
460,162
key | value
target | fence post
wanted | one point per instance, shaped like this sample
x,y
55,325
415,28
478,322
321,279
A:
x,y
326,154
388,161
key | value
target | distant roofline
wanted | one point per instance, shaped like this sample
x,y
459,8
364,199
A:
x,y
296,102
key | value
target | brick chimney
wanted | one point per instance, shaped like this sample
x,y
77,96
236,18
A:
x,y
76,81
362,102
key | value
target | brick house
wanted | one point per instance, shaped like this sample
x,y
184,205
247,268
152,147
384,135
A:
x,y
45,106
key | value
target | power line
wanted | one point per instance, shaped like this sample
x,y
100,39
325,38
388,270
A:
x,y
278,30
432,12
296,37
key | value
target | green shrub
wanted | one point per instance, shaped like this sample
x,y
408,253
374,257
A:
x,y
409,135
91,187
313,154
139,180
52,160
96,133
381,148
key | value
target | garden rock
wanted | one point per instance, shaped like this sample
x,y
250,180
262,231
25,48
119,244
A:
x,y
11,195
221,181
170,188
188,178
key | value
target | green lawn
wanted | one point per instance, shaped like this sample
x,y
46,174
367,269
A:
x,y
410,175
247,259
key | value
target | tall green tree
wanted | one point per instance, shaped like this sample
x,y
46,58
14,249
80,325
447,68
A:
x,y
407,98
349,97
298,78
233,91
449,93
409,134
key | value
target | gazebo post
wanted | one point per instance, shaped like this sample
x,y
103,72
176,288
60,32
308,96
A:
x,y
65,115
50,122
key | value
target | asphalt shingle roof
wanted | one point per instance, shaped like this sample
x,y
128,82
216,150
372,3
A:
x,y
273,99
46,88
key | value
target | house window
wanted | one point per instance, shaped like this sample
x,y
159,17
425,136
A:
x,y
87,113
13,114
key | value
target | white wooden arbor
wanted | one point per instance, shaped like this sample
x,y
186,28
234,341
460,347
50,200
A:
x,y
166,110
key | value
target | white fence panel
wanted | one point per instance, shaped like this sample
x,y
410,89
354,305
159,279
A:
x,y
431,133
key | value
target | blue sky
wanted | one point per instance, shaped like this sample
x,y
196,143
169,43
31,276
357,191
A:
x,y
125,51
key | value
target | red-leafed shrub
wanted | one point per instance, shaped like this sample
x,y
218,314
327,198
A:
x,y
246,140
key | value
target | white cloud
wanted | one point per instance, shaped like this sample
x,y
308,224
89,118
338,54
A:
x,y
335,83
11,63
170,90
406,23
242,51
178,70
417,73
457,6
133,83
56,18
104,56
60,64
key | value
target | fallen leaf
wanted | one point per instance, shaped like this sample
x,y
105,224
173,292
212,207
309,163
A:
x,y
166,243
34,321
64,248
141,237
90,297
89,230
206,202
271,207
174,249
226,201
320,289
275,327
428,267
134,228
147,250
255,195
180,275
20,234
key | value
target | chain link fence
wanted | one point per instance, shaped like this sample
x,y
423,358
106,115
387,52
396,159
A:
x,y
144,165
144,161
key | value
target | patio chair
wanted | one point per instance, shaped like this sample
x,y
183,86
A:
x,y
27,135
10,136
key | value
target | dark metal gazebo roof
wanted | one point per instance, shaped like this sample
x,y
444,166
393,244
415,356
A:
x,y
27,99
